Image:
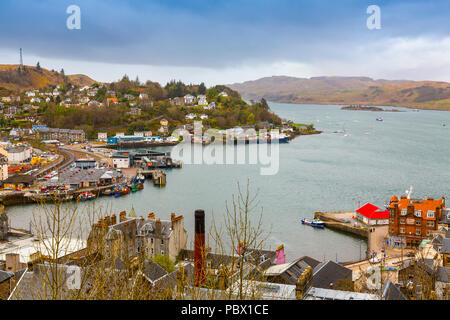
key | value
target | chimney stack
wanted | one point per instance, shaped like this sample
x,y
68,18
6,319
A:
x,y
199,248
151,215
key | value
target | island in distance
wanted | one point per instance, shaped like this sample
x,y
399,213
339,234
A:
x,y
369,108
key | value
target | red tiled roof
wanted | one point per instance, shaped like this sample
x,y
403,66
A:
x,y
424,206
373,212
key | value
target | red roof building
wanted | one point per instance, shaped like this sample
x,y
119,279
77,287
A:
x,y
372,215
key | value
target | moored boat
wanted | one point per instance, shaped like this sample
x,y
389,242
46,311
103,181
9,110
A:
x,y
86,196
313,223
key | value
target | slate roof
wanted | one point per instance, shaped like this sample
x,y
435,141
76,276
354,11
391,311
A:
x,y
392,292
5,276
153,271
290,272
78,175
329,272
443,274
446,245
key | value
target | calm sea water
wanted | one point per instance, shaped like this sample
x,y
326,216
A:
x,y
327,172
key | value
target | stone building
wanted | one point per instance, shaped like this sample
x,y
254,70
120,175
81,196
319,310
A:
x,y
66,135
413,220
149,237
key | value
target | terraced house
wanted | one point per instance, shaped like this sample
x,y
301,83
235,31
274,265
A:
x,y
412,220
65,135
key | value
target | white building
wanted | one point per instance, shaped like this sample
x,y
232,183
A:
x,y
211,106
191,116
202,100
18,154
3,167
102,136
189,99
121,161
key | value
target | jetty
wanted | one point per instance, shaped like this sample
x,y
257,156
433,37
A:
x,y
158,176
337,221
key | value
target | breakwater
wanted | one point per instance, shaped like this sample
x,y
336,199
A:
x,y
332,221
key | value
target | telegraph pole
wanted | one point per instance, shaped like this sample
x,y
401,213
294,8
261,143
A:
x,y
21,60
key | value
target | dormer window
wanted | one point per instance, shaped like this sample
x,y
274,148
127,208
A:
x,y
404,212
430,214
418,213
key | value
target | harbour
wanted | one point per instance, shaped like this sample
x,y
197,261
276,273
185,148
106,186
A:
x,y
326,172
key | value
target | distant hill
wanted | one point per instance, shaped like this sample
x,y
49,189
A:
x,y
33,78
348,90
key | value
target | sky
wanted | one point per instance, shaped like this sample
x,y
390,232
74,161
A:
x,y
222,42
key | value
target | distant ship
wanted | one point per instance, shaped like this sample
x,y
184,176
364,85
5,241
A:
x,y
380,119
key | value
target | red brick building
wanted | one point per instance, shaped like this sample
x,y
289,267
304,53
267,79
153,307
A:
x,y
412,220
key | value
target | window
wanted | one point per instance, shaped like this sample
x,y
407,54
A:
x,y
418,223
162,241
430,214
430,223
402,221
402,230
162,252
418,213
418,232
428,233
404,212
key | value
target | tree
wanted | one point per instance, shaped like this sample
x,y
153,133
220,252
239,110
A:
x,y
251,118
165,263
264,104
201,88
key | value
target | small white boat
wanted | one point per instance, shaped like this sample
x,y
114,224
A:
x,y
380,119
314,223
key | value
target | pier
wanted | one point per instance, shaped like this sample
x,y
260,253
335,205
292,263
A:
x,y
337,220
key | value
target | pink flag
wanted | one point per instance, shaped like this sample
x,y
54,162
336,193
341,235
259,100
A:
x,y
281,257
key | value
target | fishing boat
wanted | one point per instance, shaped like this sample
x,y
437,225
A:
x,y
140,178
108,192
86,196
380,119
121,190
314,223
137,187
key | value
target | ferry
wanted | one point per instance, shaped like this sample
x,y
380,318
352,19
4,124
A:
x,y
314,223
